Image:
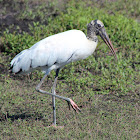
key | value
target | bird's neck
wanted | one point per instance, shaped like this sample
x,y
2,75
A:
x,y
91,35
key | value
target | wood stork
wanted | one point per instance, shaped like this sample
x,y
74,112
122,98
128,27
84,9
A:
x,y
54,52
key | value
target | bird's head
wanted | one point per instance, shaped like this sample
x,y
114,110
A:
x,y
97,27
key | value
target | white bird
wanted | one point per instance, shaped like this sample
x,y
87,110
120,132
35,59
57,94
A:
x,y
54,52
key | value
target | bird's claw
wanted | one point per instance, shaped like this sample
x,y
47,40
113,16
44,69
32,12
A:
x,y
73,105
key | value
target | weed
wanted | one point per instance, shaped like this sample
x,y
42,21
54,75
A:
x,y
106,91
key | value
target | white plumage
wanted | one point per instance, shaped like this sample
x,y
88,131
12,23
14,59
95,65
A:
x,y
54,52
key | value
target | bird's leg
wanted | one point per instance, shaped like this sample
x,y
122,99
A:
x,y
73,105
70,101
53,97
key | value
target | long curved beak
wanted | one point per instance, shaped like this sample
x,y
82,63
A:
x,y
106,39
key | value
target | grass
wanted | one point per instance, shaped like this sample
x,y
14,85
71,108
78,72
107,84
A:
x,y
105,90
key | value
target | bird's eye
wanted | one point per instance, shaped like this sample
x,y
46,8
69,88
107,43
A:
x,y
99,25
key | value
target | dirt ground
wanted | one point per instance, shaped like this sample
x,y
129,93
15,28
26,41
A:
x,y
11,10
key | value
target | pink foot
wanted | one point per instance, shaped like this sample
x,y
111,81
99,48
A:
x,y
55,126
74,106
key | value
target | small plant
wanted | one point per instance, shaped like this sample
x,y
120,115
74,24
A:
x,y
106,90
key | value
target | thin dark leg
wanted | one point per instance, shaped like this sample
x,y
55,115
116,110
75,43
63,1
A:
x,y
70,101
45,92
53,97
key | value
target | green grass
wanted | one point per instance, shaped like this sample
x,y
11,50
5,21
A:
x,y
107,91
